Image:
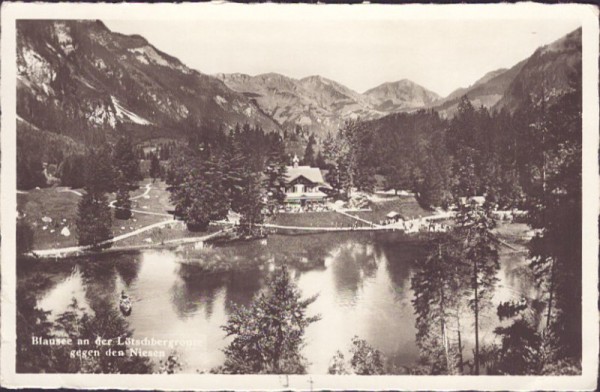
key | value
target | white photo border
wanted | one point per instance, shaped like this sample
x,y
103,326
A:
x,y
587,14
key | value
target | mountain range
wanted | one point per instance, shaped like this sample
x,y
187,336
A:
x,y
83,82
80,80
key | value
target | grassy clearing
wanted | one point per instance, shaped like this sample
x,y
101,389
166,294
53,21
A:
x,y
60,205
316,219
405,205
162,234
51,203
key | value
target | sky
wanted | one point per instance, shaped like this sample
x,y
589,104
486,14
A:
x,y
441,55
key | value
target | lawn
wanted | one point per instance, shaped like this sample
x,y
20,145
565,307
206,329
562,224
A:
x,y
315,219
52,203
60,205
405,205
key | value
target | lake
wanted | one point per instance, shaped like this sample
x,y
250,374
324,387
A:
x,y
362,282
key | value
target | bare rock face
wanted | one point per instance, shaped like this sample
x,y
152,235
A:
x,y
82,81
400,96
322,105
550,72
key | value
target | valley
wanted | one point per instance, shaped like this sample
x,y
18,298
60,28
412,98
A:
x,y
284,221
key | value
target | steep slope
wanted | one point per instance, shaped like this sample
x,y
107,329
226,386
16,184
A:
x,y
548,73
79,79
486,91
400,96
315,103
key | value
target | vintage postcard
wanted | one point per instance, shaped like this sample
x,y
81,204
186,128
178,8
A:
x,y
300,197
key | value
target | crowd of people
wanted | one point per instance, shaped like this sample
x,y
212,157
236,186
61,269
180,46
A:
x,y
309,207
415,225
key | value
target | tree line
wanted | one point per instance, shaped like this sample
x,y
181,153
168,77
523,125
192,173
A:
x,y
103,169
478,152
242,171
542,337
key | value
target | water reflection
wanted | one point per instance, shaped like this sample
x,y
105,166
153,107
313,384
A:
x,y
189,294
363,289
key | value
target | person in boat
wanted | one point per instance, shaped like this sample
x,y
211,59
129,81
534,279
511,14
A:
x,y
125,302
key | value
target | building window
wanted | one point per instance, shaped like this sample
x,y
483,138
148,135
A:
x,y
299,188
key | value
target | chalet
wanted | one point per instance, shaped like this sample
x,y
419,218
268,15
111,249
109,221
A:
x,y
304,185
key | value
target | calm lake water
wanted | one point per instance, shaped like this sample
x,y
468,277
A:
x,y
363,289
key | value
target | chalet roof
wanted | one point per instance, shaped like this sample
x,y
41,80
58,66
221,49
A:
x,y
312,174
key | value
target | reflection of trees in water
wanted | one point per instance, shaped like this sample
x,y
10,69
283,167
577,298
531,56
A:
x,y
41,278
128,268
190,292
242,287
99,279
401,257
519,276
352,262
314,247
105,320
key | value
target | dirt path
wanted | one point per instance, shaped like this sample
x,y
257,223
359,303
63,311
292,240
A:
x,y
61,252
79,250
357,218
148,189
72,191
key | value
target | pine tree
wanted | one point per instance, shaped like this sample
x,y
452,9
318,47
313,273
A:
x,y
479,254
30,172
123,202
72,171
555,209
320,161
99,172
275,172
438,286
309,152
251,203
154,167
94,220
268,336
199,190
126,162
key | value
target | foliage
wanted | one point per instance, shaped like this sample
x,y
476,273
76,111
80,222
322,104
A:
x,y
155,171
439,288
123,201
251,202
108,323
99,171
269,334
125,161
338,364
201,195
243,171
171,365
309,152
555,210
24,237
479,254
75,323
364,360
30,172
275,172
33,321
94,220
72,171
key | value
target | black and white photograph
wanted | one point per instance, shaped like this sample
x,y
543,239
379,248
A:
x,y
361,194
